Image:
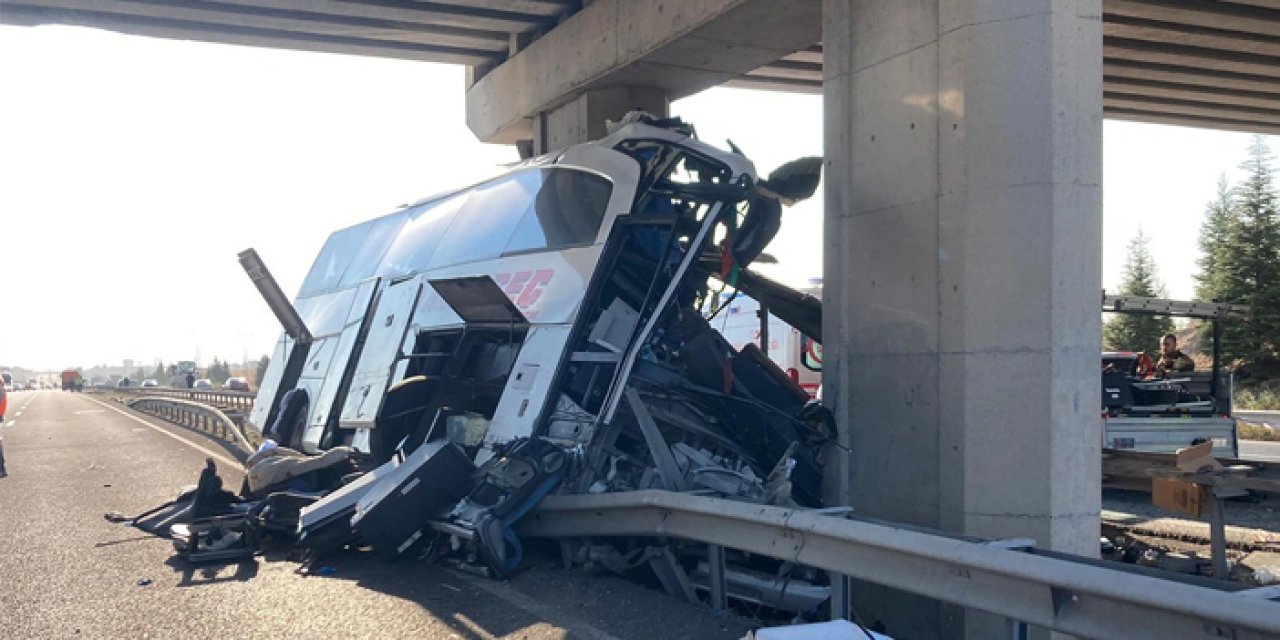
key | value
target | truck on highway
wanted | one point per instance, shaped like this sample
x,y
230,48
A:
x,y
1161,413
72,380
183,370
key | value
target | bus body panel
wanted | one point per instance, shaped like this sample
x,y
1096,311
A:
x,y
546,285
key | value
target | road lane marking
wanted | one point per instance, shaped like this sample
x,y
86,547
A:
x,y
208,452
12,422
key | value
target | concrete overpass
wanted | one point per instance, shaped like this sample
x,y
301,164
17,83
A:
x,y
963,193
1204,63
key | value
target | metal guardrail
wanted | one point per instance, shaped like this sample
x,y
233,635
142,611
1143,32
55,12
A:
x,y
201,417
1134,470
1076,595
235,400
1071,594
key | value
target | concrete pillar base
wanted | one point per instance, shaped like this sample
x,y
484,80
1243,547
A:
x,y
584,118
963,270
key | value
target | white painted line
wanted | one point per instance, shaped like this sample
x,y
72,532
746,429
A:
x,y
12,422
208,452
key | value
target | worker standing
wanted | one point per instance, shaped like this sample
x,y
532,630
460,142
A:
x,y
1172,359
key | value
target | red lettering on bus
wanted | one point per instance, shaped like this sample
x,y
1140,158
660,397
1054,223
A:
x,y
533,290
518,281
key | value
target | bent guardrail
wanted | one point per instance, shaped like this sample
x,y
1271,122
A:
x,y
237,400
1065,593
201,417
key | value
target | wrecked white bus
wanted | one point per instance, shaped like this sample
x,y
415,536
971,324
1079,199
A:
x,y
558,302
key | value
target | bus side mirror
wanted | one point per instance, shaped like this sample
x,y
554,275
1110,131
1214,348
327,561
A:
x,y
796,180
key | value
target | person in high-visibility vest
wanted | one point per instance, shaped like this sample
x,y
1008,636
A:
x,y
4,405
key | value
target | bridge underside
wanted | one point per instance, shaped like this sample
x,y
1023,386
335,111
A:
x,y
1199,63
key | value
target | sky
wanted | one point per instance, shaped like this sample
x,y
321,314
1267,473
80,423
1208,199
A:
x,y
133,170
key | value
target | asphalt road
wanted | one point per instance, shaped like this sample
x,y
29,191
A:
x,y
65,571
1259,450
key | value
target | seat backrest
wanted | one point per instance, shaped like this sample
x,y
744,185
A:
x,y
293,412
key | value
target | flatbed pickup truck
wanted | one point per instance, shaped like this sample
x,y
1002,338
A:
x,y
1162,415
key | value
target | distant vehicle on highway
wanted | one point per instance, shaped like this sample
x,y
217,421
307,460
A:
x,y
179,377
236,384
72,380
203,383
149,382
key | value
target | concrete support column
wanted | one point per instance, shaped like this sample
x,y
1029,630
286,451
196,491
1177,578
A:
x,y
963,270
583,118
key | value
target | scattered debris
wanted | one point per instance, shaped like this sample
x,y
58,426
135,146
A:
x,y
566,348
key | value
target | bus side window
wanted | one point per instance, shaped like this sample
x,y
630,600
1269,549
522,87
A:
x,y
487,221
567,211
415,246
326,273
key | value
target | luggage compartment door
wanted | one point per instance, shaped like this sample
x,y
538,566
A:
x,y
269,387
327,365
382,350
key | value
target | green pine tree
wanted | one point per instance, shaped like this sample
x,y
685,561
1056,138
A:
x,y
218,371
1132,332
1250,268
1220,219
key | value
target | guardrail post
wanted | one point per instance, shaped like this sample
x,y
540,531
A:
x,y
841,600
719,595
1218,537
1019,630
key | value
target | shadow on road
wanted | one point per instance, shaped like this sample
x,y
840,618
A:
x,y
113,543
541,598
198,575
471,613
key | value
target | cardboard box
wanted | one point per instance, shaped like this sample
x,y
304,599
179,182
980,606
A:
x,y
1198,459
1179,495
